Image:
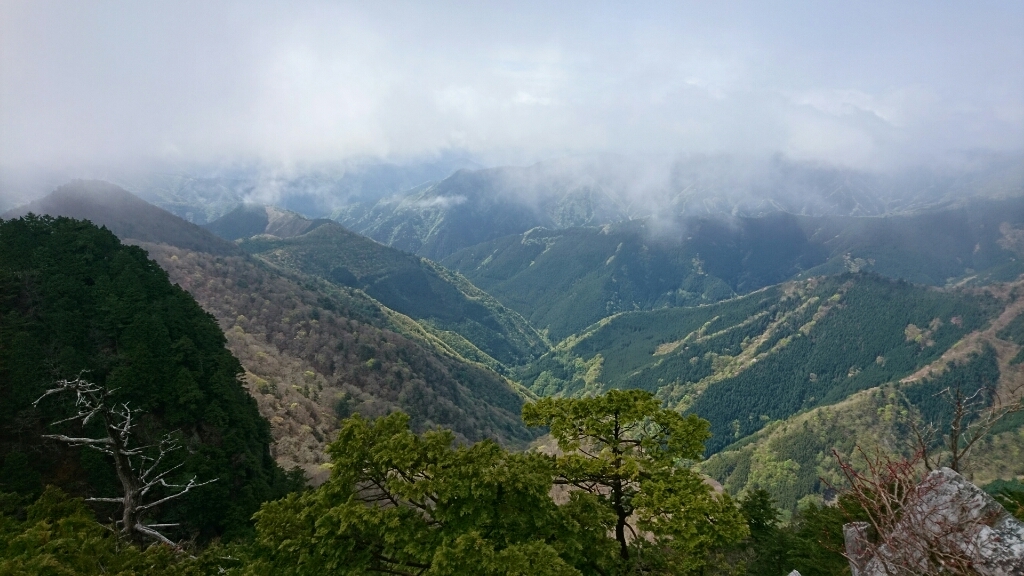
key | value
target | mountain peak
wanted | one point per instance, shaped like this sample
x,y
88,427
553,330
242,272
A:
x,y
126,215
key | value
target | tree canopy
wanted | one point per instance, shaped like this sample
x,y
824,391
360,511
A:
x,y
632,456
75,301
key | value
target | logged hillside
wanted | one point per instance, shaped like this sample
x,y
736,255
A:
x,y
765,356
409,285
76,302
564,280
793,460
313,350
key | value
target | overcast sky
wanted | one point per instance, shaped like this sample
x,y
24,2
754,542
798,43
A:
x,y
865,84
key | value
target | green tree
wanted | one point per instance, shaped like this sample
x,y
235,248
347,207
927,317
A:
x,y
767,541
402,503
631,454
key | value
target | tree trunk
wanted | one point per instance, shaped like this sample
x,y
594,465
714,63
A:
x,y
129,485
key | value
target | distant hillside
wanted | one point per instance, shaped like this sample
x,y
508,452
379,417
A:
x,y
765,356
563,280
254,219
125,214
311,349
470,207
407,284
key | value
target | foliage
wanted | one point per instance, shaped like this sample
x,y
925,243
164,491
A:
x,y
768,355
58,536
623,448
563,280
407,284
306,342
406,504
74,300
790,458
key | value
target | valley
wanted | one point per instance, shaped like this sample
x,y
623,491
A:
x,y
793,335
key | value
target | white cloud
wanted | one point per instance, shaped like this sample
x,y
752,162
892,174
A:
x,y
864,84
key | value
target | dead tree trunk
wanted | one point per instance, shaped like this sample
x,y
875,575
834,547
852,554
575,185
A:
x,y
138,467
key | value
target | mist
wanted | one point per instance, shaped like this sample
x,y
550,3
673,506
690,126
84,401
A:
x,y
102,85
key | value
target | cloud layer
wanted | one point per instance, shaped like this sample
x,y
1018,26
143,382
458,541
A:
x,y
858,84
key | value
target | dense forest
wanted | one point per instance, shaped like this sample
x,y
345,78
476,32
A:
x,y
407,284
768,355
75,301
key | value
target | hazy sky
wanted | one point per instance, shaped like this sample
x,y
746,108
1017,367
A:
x,y
863,84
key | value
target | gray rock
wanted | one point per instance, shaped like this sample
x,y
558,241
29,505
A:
x,y
949,518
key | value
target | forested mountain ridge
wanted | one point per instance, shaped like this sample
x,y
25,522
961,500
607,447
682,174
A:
x,y
747,361
445,303
792,458
563,280
313,350
76,303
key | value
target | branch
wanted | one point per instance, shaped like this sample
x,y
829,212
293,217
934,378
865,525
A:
x,y
191,484
79,441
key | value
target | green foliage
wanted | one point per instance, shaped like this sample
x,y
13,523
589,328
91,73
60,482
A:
x,y
623,448
407,284
408,503
768,355
768,542
1009,493
74,300
815,541
58,535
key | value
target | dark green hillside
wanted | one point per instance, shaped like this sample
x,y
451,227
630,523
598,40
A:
x,y
126,215
767,355
74,300
565,280
407,284
791,458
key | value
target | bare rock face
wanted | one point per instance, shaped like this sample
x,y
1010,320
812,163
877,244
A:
x,y
950,527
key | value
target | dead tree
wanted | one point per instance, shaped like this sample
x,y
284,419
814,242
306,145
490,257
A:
x,y
144,485
972,417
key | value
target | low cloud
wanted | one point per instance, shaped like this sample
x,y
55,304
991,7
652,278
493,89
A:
x,y
115,83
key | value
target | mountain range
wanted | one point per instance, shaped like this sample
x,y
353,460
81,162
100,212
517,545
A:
x,y
791,320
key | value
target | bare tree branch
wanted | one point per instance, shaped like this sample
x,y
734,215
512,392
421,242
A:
x,y
134,465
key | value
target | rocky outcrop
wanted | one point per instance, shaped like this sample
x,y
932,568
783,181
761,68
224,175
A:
x,y
950,526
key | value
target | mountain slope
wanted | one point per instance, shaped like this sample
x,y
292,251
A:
x,y
75,302
409,285
563,280
311,349
254,219
767,355
125,214
792,458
